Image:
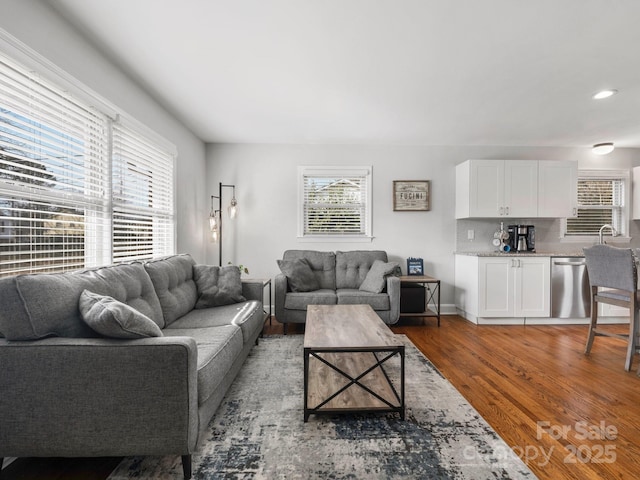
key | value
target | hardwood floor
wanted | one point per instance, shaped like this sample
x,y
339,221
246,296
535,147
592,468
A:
x,y
567,415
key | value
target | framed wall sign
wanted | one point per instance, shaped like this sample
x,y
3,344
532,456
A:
x,y
415,266
411,195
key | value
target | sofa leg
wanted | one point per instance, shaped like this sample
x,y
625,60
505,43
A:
x,y
186,466
285,325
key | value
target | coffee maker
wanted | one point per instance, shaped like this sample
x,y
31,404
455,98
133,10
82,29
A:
x,y
522,238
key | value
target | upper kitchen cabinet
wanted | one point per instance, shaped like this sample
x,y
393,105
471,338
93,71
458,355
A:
x,y
557,189
497,188
516,189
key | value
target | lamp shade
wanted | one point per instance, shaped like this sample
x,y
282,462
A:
x,y
233,208
603,148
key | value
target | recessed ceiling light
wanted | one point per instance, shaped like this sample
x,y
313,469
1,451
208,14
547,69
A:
x,y
604,94
603,148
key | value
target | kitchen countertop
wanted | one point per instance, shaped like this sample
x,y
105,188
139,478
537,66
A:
x,y
522,254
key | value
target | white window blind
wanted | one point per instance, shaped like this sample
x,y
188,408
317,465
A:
x,y
143,210
600,202
336,201
76,188
53,176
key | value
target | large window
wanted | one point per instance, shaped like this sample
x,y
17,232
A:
x,y
601,201
66,200
335,202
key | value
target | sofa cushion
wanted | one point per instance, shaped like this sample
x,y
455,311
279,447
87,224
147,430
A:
x,y
299,275
172,279
115,319
42,305
247,315
218,347
350,296
376,279
323,265
300,300
217,285
352,267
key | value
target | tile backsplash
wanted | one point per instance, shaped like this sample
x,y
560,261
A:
x,y
547,235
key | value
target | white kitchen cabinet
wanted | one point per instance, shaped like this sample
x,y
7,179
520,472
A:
x,y
516,189
503,287
497,188
514,287
557,189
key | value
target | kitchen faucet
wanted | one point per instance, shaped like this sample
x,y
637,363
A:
x,y
613,232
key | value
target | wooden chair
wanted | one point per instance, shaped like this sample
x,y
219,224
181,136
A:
x,y
613,278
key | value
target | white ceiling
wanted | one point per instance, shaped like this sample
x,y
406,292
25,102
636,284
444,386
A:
x,y
419,72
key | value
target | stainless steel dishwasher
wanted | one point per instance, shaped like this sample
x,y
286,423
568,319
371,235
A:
x,y
570,296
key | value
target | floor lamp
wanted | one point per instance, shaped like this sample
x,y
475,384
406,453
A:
x,y
215,217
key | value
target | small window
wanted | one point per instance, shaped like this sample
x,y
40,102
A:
x,y
335,202
601,201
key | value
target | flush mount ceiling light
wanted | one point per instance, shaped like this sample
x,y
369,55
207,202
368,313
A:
x,y
603,148
604,94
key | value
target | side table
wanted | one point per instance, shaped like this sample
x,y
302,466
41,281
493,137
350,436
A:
x,y
432,295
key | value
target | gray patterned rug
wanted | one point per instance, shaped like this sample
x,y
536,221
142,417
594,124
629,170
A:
x,y
259,433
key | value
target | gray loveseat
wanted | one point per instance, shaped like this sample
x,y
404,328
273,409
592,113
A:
x,y
354,277
67,391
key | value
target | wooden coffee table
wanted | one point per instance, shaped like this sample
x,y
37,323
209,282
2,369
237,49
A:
x,y
345,351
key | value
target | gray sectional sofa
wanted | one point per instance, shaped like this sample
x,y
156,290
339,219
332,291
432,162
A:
x,y
310,277
148,384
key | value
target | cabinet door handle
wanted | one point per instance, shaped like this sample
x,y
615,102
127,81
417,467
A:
x,y
500,211
507,210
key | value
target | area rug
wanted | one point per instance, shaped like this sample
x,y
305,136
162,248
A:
x,y
259,431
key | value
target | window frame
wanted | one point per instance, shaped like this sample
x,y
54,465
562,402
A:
x,y
623,233
365,172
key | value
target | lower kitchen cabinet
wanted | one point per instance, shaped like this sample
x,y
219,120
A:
x,y
504,287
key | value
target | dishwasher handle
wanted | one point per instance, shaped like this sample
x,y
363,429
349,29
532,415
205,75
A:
x,y
571,264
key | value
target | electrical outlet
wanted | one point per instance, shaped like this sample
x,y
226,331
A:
x,y
471,234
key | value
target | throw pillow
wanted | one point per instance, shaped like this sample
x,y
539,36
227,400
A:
x,y
299,275
115,319
376,278
217,285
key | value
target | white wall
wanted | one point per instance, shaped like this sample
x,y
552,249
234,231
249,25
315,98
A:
x,y
40,28
265,179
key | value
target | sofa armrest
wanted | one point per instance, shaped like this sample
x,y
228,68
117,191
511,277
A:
x,y
253,290
281,286
98,397
393,289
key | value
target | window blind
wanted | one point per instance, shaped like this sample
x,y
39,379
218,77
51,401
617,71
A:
x,y
76,188
143,197
336,202
53,176
600,202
